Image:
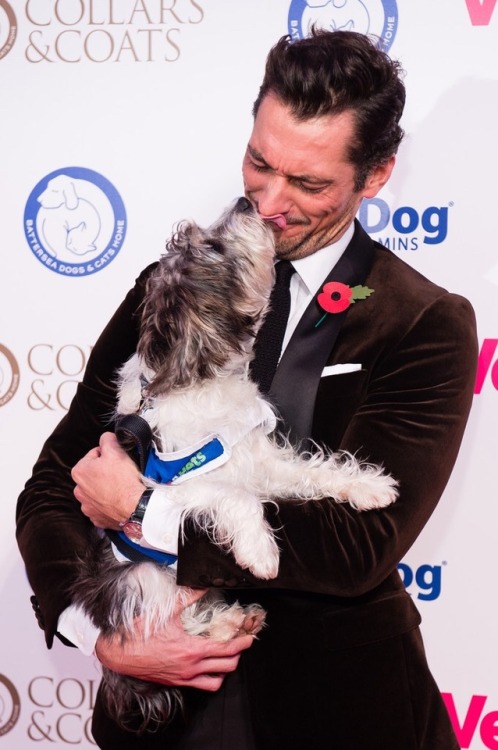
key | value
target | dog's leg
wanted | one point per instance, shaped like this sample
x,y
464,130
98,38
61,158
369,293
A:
x,y
340,477
234,519
240,525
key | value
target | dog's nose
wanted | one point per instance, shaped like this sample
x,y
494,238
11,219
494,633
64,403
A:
x,y
243,205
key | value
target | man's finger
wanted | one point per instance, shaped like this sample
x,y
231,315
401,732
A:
x,y
79,495
108,442
208,682
226,649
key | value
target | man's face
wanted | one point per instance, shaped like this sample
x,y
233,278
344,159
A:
x,y
297,172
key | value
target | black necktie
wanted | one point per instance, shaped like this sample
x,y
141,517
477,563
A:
x,y
268,344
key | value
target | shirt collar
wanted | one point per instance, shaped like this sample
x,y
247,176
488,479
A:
x,y
314,268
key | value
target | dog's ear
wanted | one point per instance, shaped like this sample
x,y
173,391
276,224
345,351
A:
x,y
70,195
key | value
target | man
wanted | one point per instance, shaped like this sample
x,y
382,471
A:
x,y
341,664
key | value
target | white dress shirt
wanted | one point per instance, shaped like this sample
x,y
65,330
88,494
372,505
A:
x,y
161,521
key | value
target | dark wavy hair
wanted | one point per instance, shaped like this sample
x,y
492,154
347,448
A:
x,y
338,71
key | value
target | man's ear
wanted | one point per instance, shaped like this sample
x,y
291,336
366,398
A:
x,y
378,178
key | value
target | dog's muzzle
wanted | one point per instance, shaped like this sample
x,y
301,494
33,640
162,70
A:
x,y
244,205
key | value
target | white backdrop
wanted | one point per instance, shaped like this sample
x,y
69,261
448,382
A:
x,y
146,104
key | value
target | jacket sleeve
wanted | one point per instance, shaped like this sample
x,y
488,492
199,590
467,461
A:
x,y
411,420
52,533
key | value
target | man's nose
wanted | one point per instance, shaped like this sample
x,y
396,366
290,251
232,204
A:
x,y
272,198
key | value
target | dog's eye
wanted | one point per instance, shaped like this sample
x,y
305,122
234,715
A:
x,y
217,247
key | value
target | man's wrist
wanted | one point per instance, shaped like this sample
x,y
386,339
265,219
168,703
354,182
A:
x,y
132,526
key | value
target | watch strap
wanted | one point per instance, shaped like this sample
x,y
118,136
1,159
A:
x,y
132,527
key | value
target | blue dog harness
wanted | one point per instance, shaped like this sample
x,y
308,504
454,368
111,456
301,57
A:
x,y
172,468
176,467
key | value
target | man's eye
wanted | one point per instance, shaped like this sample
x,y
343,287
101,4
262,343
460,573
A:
x,y
309,188
260,167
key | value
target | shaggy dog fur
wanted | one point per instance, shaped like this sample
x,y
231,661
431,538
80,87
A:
x,y
189,380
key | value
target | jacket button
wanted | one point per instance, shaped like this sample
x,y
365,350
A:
x,y
36,608
218,582
231,582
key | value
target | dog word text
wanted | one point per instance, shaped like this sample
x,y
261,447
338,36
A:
x,y
375,215
465,730
377,17
480,11
485,365
426,577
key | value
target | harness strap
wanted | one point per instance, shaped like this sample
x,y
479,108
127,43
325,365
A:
x,y
136,552
135,436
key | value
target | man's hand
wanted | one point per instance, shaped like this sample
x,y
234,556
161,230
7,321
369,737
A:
x,y
108,483
171,657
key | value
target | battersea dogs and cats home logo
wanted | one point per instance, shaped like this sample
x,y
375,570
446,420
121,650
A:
x,y
376,17
75,221
8,28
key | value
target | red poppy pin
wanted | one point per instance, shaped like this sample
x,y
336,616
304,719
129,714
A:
x,y
336,297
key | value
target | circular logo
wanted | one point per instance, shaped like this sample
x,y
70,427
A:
x,y
9,375
8,28
374,17
75,221
10,705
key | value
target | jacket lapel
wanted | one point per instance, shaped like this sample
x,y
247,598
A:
x,y
296,380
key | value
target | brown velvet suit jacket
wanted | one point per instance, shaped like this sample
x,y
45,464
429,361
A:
x,y
341,663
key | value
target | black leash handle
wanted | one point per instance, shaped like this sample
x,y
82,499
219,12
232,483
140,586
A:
x,y
134,436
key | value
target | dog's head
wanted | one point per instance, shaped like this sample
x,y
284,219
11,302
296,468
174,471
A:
x,y
60,191
207,299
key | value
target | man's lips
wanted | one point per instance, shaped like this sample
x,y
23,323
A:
x,y
278,219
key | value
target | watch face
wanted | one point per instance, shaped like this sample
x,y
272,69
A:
x,y
133,531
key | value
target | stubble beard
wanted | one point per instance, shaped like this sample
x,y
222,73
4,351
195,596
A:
x,y
300,247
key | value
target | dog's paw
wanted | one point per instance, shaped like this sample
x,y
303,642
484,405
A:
x,y
265,559
254,620
370,492
258,552
230,622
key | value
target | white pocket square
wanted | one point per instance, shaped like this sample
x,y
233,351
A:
x,y
339,369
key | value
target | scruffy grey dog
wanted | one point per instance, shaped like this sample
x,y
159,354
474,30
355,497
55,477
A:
x,y
189,381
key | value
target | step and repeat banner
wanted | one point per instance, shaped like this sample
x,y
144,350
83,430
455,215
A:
x,y
120,117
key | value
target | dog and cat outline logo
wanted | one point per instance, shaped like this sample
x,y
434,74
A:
x,y
373,17
75,221
10,705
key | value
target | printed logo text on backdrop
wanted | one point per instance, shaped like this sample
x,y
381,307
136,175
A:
x,y
8,28
9,375
75,221
408,227
10,705
376,17
79,31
